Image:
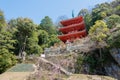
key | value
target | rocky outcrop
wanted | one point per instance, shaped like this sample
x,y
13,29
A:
x,y
52,65
113,69
116,55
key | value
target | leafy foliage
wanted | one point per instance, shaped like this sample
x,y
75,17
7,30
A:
x,y
32,45
53,39
88,21
2,20
22,34
6,40
113,20
47,25
7,59
43,38
79,63
83,12
114,38
32,38
99,31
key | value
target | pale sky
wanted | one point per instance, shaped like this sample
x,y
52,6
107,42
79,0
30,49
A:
x,y
38,9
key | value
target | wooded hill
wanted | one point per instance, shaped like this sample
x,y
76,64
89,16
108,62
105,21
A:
x,y
23,35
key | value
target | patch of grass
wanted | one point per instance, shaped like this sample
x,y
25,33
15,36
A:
x,y
22,68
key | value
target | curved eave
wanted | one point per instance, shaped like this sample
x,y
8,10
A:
x,y
74,35
74,27
72,21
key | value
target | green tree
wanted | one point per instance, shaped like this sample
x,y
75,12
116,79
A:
x,y
117,10
88,21
101,11
83,12
96,14
99,31
24,30
32,45
112,20
12,25
114,37
98,34
43,38
53,39
2,20
6,40
47,25
7,59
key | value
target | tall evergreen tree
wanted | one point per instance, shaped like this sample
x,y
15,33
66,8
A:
x,y
7,59
47,25
2,20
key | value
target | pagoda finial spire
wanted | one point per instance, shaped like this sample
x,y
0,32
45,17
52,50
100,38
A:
x,y
73,13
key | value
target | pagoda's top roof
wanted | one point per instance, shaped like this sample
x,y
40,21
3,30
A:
x,y
75,20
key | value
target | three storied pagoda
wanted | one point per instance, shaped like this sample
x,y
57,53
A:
x,y
72,29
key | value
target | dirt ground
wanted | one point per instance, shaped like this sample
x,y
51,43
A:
x,y
14,75
24,75
88,77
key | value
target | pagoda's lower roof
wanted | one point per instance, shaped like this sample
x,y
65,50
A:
x,y
72,36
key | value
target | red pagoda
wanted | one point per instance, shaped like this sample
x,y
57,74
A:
x,y
72,29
